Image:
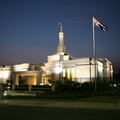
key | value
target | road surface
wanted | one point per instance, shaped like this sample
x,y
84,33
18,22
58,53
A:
x,y
9,112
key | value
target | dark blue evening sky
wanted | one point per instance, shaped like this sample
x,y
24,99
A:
x,y
29,29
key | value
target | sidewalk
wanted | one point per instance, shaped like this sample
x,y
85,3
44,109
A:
x,y
82,105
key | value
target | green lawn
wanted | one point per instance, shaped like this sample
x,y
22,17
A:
x,y
100,99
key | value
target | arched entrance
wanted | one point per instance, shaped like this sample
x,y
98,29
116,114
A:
x,y
45,79
25,79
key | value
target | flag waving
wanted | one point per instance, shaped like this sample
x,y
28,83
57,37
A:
x,y
99,24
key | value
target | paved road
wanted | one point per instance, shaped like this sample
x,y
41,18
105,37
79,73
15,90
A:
x,y
9,112
85,105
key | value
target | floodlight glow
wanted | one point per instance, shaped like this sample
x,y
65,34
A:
x,y
4,75
58,70
63,72
41,83
5,93
68,73
73,74
21,67
78,71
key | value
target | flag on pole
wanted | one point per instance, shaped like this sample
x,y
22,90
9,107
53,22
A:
x,y
99,24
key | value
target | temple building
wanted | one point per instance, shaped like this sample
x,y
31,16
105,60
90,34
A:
x,y
60,65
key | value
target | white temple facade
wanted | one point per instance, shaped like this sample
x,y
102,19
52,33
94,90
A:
x,y
65,67
60,65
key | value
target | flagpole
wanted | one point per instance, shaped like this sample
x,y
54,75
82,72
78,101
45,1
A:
x,y
94,51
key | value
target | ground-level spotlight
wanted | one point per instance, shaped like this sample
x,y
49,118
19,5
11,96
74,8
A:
x,y
5,93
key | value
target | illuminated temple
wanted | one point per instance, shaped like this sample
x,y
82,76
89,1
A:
x,y
60,65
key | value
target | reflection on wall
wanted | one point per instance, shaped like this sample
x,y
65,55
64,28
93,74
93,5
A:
x,y
21,67
5,74
6,71
25,79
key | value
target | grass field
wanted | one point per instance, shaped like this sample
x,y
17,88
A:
x,y
99,99
102,99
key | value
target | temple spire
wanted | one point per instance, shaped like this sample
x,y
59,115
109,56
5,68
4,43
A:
x,y
61,47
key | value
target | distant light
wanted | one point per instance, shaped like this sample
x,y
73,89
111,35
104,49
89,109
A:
x,y
41,83
5,93
114,85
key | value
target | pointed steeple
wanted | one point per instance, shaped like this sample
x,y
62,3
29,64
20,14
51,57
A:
x,y
61,50
61,47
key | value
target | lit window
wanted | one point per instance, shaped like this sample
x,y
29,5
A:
x,y
73,74
63,72
68,73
